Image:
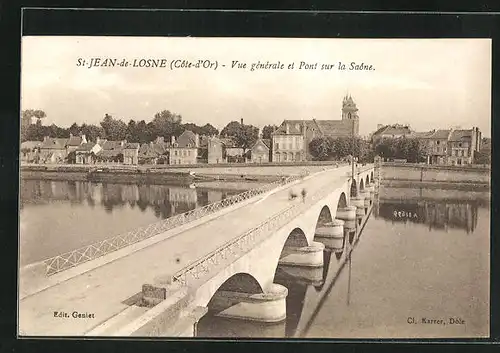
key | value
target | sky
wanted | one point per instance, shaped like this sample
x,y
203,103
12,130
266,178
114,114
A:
x,y
426,83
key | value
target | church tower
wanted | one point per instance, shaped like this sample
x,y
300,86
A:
x,y
350,114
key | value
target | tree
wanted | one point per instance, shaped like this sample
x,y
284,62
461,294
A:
x,y
403,148
244,135
92,132
320,148
74,129
132,135
166,124
114,129
482,157
26,118
193,128
267,131
209,130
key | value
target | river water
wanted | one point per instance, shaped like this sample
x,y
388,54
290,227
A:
x,y
419,270
422,257
60,216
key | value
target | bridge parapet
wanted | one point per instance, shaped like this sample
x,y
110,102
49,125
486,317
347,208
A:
x,y
239,246
79,256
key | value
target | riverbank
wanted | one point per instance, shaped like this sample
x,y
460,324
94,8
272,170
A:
x,y
167,174
435,176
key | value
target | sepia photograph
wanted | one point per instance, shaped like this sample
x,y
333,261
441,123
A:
x,y
245,187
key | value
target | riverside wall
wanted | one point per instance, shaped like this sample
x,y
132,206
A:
x,y
400,174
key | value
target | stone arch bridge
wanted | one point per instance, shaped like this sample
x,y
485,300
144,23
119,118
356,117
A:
x,y
286,227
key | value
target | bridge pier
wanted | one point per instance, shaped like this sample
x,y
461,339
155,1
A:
x,y
331,235
346,213
262,307
360,211
358,201
308,256
306,275
350,230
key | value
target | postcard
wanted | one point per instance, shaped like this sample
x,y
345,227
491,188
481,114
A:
x,y
254,187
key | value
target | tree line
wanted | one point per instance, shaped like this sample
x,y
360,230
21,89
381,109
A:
x,y
164,124
331,148
328,148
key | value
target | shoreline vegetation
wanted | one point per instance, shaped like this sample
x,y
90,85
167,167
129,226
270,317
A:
x,y
243,176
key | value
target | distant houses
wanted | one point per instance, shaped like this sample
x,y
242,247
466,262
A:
x,y
443,147
86,153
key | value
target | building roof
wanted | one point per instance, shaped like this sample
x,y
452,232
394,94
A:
x,y
460,135
262,142
332,128
108,153
335,127
85,147
267,142
152,150
292,129
112,145
131,146
74,141
187,139
54,143
29,145
392,130
439,134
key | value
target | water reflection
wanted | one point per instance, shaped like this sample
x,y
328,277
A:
x,y
60,216
326,302
166,201
439,214
307,288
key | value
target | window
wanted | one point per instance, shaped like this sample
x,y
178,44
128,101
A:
x,y
437,142
277,146
175,152
460,144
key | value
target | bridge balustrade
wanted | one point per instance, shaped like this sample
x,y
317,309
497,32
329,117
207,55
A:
x,y
243,243
76,257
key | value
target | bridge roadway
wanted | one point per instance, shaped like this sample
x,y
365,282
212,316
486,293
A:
x,y
101,291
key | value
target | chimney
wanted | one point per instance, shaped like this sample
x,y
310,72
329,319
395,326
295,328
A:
x,y
45,138
241,121
287,128
172,139
70,135
197,140
84,138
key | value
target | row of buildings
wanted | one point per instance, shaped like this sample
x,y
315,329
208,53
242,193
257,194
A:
x,y
288,143
443,147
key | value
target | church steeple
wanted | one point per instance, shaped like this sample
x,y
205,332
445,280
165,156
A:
x,y
350,114
349,109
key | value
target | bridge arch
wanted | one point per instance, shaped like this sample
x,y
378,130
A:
x,y
296,238
371,177
361,185
367,180
241,283
342,203
325,216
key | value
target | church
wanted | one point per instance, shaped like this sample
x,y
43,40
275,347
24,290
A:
x,y
290,141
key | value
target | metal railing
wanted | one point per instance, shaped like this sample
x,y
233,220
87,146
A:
x,y
76,257
239,246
